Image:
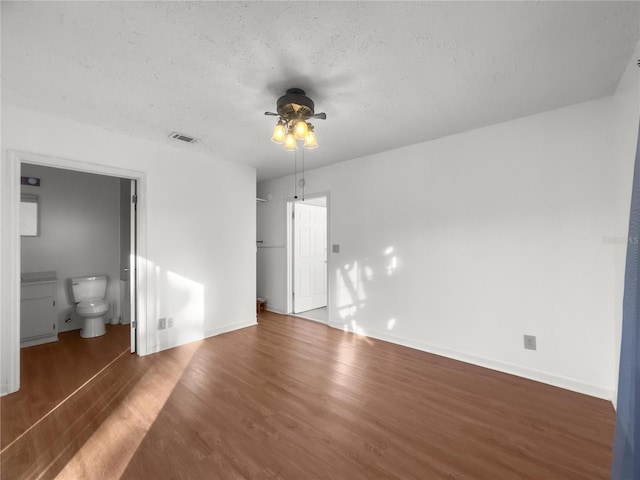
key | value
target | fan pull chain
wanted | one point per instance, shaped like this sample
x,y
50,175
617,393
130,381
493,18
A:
x,y
303,179
295,173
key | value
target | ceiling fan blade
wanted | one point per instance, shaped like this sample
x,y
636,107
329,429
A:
x,y
321,116
271,114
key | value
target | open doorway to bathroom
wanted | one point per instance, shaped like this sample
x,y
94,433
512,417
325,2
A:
x,y
307,258
81,225
84,230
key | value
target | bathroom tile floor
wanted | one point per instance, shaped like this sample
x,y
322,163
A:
x,y
51,372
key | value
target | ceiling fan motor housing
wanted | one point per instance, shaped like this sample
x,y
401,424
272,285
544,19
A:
x,y
295,104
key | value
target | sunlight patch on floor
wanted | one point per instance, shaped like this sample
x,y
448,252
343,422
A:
x,y
112,446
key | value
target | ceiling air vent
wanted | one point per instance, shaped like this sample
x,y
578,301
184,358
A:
x,y
183,138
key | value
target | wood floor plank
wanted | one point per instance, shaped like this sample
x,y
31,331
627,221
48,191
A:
x,y
52,371
294,399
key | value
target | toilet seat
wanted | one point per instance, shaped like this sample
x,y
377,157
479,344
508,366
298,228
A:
x,y
92,306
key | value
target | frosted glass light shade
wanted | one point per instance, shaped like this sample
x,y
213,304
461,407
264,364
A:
x,y
310,141
278,133
290,142
301,130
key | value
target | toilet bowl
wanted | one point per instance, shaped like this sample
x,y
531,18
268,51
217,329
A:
x,y
88,293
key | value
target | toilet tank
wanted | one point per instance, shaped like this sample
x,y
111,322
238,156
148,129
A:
x,y
88,287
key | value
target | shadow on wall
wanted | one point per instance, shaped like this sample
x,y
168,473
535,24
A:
x,y
178,314
351,284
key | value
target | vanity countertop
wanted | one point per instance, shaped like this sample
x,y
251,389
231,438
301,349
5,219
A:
x,y
38,277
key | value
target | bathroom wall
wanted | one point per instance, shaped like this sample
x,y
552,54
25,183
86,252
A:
x,y
79,233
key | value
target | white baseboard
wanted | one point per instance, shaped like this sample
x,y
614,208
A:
x,y
505,367
230,328
159,347
273,309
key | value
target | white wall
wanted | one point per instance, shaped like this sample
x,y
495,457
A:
x,y
626,103
462,245
79,233
200,226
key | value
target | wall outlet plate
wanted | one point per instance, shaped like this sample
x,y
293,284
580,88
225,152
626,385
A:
x,y
530,342
162,323
335,248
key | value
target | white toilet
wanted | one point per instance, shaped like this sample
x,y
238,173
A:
x,y
89,293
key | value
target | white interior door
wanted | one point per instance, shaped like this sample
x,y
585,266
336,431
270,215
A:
x,y
128,255
125,246
133,265
309,257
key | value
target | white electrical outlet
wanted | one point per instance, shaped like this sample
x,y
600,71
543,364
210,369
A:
x,y
162,323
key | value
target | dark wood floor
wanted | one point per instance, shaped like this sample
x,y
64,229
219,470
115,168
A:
x,y
52,371
293,399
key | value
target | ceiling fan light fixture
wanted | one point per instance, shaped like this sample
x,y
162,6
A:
x,y
310,141
294,108
289,141
301,129
278,133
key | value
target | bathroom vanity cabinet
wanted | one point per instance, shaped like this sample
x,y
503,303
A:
x,y
37,308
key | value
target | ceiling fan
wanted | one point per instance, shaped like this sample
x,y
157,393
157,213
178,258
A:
x,y
294,110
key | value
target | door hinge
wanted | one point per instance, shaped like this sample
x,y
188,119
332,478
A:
x,y
134,199
134,324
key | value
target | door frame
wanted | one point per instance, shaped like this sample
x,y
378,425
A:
x,y
133,263
10,253
291,253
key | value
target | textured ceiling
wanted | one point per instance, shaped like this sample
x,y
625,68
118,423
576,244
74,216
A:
x,y
386,73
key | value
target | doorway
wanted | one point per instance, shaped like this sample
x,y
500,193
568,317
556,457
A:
x,y
308,258
86,224
12,272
